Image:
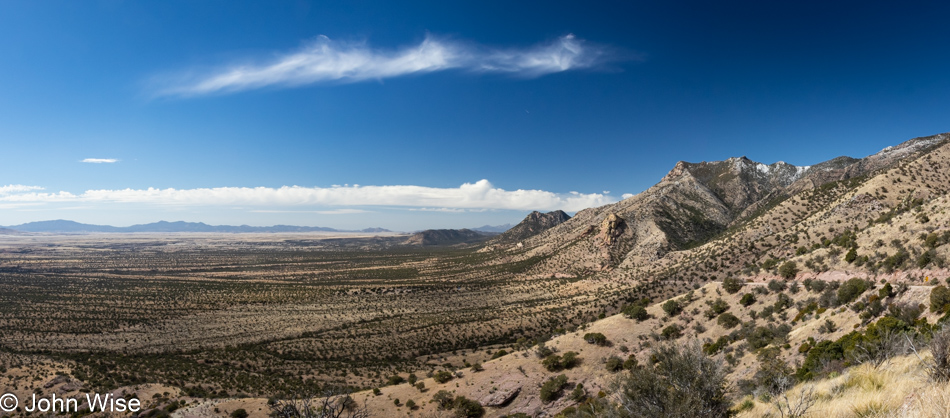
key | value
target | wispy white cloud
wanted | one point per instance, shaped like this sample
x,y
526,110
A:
x,y
479,195
100,160
346,211
18,188
324,60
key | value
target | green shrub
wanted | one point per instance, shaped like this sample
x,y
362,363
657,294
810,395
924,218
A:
x,y
851,255
631,362
636,312
551,389
747,299
672,307
595,338
578,394
467,408
732,285
552,363
444,399
442,376
395,380
671,332
788,270
885,291
239,413
776,285
851,289
728,320
717,307
569,360
683,383
939,299
613,364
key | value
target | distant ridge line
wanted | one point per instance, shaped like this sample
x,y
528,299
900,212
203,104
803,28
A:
x,y
61,225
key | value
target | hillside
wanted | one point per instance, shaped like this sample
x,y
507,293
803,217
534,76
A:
x,y
446,237
739,213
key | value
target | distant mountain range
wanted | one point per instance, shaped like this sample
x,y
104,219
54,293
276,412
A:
x,y
164,226
495,228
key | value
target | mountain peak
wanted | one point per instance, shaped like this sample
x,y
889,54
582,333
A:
x,y
533,224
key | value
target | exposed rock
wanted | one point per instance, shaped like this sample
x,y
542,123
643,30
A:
x,y
58,380
503,396
612,228
535,223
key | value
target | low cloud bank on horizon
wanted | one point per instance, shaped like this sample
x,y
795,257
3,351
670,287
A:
x,y
324,60
479,195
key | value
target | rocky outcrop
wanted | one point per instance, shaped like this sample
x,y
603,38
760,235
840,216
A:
x,y
535,223
612,228
501,397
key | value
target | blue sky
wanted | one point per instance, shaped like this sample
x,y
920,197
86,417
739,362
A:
x,y
445,114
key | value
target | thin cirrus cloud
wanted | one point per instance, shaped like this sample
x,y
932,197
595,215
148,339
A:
x,y
324,60
99,160
469,196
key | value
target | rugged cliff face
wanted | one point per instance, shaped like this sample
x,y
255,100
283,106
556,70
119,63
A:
x,y
535,223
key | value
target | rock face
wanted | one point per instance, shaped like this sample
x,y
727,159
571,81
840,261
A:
x,y
503,396
533,224
612,228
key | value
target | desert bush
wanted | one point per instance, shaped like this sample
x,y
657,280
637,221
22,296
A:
x,y
684,383
333,403
578,394
939,364
542,351
442,376
732,285
443,399
672,331
747,299
728,320
851,289
776,285
551,389
569,360
552,363
773,372
467,408
717,307
595,338
672,307
788,270
637,312
939,299
613,364
394,380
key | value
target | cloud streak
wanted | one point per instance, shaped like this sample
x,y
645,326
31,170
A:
x,y
100,160
479,195
324,60
17,188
